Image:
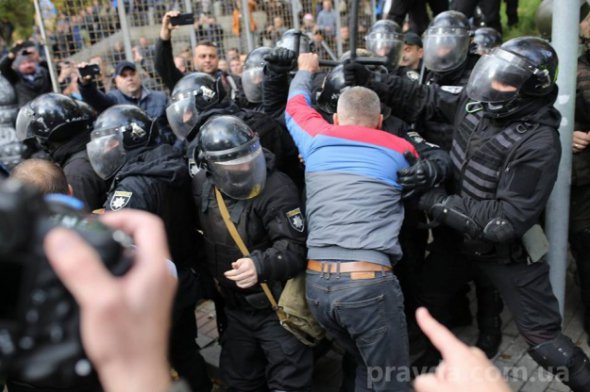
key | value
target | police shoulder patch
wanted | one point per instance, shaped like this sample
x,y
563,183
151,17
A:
x,y
120,199
413,75
452,89
296,220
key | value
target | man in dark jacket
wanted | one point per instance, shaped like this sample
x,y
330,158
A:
x,y
505,154
129,91
205,59
62,128
154,179
22,69
257,352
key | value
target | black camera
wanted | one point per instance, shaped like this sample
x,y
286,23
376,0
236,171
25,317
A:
x,y
39,319
182,19
89,70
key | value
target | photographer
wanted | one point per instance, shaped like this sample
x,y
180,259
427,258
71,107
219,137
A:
x,y
22,69
130,90
127,358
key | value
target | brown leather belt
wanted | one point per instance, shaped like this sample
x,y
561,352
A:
x,y
345,266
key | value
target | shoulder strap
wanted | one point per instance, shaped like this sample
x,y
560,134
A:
x,y
245,252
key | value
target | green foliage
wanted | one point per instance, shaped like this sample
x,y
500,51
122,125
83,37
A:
x,y
526,14
21,14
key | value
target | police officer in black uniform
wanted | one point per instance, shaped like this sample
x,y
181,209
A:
x,y
252,78
505,156
280,68
385,39
61,126
154,178
197,97
257,353
448,64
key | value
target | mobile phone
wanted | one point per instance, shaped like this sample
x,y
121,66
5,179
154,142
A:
x,y
89,70
182,19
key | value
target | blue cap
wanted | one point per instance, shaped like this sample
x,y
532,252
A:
x,y
124,65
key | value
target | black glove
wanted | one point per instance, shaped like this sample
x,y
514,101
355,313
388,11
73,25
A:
x,y
431,198
422,175
280,60
356,74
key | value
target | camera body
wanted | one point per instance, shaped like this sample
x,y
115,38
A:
x,y
182,19
91,70
39,319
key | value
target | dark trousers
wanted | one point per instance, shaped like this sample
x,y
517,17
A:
x,y
418,14
258,355
512,11
525,289
366,317
184,351
489,8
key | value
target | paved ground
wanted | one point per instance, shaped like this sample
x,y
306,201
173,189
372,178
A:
x,y
520,370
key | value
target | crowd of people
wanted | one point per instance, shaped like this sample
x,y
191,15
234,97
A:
x,y
268,168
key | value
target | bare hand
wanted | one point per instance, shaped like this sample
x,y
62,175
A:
x,y
243,273
126,356
308,62
580,141
463,368
166,30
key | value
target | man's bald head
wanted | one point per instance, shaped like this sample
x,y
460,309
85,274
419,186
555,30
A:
x,y
44,175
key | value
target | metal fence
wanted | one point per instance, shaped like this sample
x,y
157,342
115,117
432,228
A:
x,y
102,32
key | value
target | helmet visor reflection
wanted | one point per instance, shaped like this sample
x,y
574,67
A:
x,y
497,77
445,49
183,116
106,153
241,178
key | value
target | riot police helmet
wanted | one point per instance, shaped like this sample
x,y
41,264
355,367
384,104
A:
x,y
484,40
446,41
254,73
53,119
117,130
521,68
193,94
231,154
385,38
334,85
290,38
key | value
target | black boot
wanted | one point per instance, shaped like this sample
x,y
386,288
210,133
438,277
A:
x,y
489,343
562,354
459,309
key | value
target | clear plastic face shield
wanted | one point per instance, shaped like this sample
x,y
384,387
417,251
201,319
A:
x,y
445,48
252,83
23,120
498,77
241,177
386,45
290,42
106,152
182,113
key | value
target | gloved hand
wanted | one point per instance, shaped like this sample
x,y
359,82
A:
x,y
431,198
280,60
422,175
356,74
